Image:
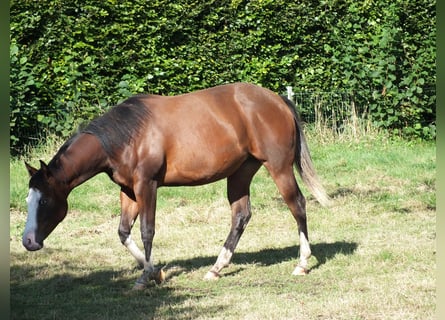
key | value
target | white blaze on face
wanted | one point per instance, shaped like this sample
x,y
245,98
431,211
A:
x,y
32,199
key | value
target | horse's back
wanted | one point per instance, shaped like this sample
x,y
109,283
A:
x,y
240,107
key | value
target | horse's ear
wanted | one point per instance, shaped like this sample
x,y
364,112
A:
x,y
44,167
31,170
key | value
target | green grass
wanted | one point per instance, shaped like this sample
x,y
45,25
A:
x,y
373,250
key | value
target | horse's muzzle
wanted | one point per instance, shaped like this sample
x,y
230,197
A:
x,y
30,243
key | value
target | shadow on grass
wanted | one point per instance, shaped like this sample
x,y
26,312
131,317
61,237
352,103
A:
x,y
104,294
323,252
101,294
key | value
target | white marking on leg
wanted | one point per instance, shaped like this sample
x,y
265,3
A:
x,y
134,250
305,254
224,258
305,250
223,261
149,272
137,254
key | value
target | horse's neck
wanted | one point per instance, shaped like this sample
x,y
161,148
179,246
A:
x,y
82,159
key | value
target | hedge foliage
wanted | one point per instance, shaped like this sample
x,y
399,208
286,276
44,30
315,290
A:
x,y
73,59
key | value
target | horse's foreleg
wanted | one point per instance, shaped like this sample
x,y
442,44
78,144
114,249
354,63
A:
x,y
146,199
238,194
129,212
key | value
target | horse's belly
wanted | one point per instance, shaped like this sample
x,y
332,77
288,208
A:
x,y
202,169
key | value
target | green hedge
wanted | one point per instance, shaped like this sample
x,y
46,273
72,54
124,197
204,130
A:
x,y
74,59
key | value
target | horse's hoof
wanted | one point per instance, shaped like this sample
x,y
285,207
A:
x,y
300,271
143,281
139,286
158,276
212,275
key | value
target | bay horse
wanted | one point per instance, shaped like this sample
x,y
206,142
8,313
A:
x,y
148,141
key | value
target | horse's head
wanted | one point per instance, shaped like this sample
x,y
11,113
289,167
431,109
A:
x,y
47,206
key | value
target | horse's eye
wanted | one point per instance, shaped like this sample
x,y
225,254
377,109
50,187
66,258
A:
x,y
42,202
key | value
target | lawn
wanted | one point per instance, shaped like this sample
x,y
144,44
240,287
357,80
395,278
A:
x,y
373,249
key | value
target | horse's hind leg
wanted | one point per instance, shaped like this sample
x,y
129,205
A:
x,y
129,213
289,190
238,194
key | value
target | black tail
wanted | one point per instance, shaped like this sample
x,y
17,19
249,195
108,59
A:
x,y
303,161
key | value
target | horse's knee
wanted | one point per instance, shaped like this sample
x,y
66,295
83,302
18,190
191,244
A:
x,y
123,235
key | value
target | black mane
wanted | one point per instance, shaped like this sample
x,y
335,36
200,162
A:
x,y
117,127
